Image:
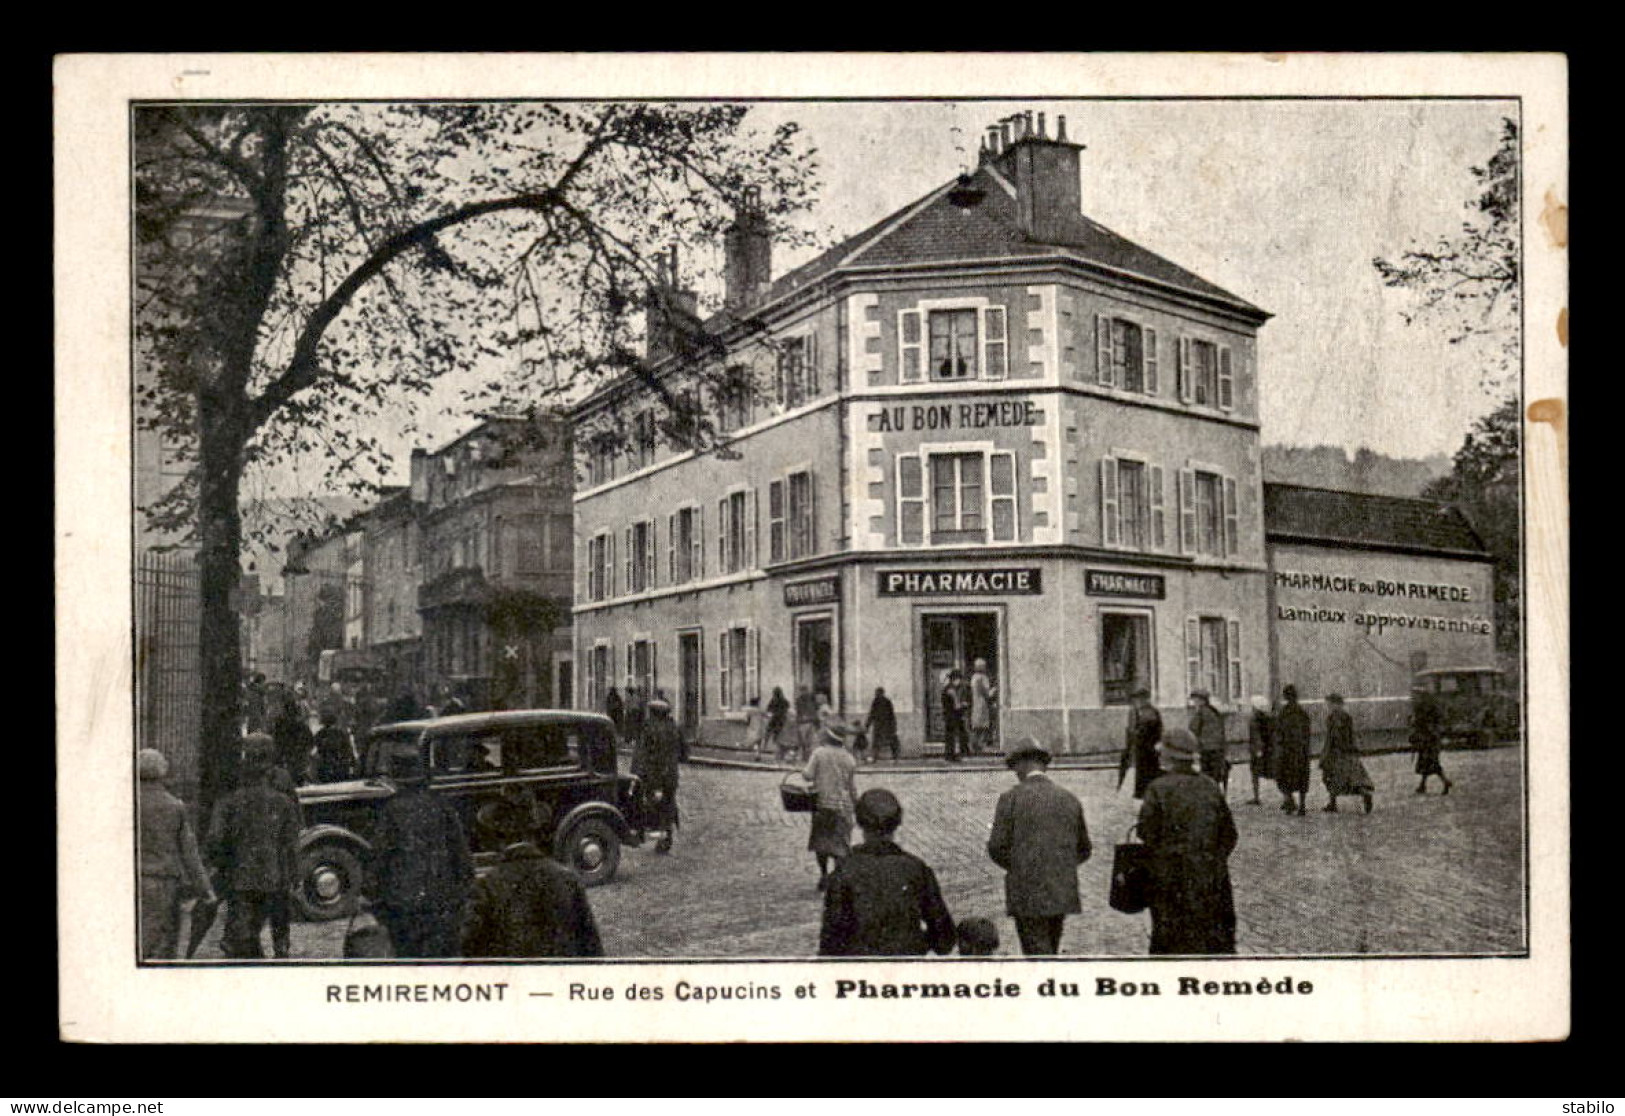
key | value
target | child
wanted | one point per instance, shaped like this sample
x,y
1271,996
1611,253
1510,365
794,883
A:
x,y
978,937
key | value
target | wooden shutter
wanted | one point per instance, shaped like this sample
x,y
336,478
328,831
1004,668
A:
x,y
723,659
609,564
781,381
812,515
1111,525
631,666
1186,389
1150,350
751,511
910,496
753,664
1187,511
775,521
1227,381
910,346
1159,529
1103,350
654,665
1234,642
723,565
995,346
671,549
811,375
628,558
1193,654
1004,495
698,550
1231,518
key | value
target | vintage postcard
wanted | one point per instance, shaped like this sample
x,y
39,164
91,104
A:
x,y
745,548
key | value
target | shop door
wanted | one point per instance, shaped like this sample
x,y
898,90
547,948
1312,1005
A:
x,y
952,641
815,656
688,645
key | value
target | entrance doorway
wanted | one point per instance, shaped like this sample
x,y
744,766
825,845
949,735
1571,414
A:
x,y
688,713
1125,656
815,655
950,640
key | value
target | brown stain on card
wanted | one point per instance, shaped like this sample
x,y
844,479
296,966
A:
x,y
1562,328
1553,413
1554,218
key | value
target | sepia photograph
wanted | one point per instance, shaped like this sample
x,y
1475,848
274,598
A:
x,y
897,529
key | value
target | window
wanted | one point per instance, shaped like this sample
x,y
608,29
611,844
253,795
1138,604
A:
x,y
955,343
801,514
737,667
684,553
537,747
598,676
1125,656
643,440
1125,355
1207,514
969,491
1206,374
640,665
601,567
601,459
1213,657
736,532
798,370
736,400
640,557
1131,504
957,498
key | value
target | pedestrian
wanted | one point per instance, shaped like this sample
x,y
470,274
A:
x,y
806,722
656,764
254,704
615,709
983,693
1427,737
882,901
405,707
881,724
254,843
1140,748
1341,768
755,728
1260,744
778,717
422,865
1292,733
955,743
335,754
636,716
1039,838
528,906
826,712
978,937
291,732
171,867
1187,825
830,770
1207,725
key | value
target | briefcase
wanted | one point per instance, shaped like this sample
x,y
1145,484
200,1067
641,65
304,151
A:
x,y
1131,876
797,798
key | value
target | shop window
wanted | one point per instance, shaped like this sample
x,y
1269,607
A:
x,y
1125,355
1206,374
1125,656
1213,657
815,655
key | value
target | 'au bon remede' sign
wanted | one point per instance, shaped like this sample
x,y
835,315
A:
x,y
996,582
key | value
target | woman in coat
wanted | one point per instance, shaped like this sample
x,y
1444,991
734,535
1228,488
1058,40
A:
x,y
983,693
778,720
830,771
1260,743
1427,738
1292,753
1340,765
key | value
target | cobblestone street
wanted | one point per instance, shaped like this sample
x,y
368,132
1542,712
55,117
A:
x,y
1420,875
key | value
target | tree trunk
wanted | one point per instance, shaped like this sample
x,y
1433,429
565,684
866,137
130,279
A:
x,y
219,649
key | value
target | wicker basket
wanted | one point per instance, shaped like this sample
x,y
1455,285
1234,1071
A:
x,y
797,798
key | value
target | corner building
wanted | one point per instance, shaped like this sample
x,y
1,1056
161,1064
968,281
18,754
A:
x,y
986,427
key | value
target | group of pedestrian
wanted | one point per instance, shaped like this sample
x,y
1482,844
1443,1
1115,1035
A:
x,y
968,712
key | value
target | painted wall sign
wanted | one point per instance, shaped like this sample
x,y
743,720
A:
x,y
1111,583
823,590
956,416
950,583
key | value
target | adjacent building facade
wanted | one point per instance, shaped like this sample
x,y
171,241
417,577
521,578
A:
x,y
986,428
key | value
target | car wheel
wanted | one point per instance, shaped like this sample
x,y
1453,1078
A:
x,y
329,884
592,849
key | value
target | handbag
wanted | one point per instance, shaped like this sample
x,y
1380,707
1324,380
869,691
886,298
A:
x,y
1131,875
797,798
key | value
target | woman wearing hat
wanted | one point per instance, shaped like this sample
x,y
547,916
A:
x,y
831,771
1341,768
1260,743
1292,753
1187,825
171,867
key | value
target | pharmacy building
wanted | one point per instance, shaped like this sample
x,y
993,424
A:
x,y
984,428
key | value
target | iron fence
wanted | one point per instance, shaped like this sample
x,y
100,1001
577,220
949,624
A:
x,y
168,696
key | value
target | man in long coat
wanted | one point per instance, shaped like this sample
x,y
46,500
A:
x,y
254,841
1140,751
1427,737
1039,838
1292,733
656,764
422,864
1207,725
1187,825
528,906
1341,767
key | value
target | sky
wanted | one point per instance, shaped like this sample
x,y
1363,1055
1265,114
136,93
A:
x,y
1282,203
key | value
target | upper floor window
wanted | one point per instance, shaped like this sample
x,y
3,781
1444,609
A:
x,y
640,556
956,343
736,532
798,379
1206,374
736,400
600,567
792,517
971,498
1131,504
601,460
684,542
643,439
1208,516
1125,355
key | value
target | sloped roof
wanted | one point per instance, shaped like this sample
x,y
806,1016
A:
x,y
1367,520
932,229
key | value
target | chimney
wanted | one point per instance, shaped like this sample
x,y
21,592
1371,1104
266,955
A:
x,y
671,312
747,256
1044,172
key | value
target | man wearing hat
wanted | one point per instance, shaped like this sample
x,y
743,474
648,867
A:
x,y
254,842
1341,767
1187,825
171,867
656,764
831,771
421,862
1207,725
1039,838
1140,752
882,901
1292,753
528,906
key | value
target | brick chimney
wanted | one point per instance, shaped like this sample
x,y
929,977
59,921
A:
x,y
1044,171
671,312
748,256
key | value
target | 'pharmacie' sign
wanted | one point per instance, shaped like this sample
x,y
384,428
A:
x,y
1110,583
952,583
823,590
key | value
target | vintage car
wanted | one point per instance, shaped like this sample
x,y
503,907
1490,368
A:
x,y
1476,706
560,765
